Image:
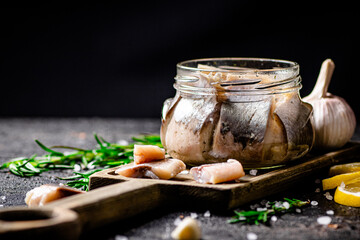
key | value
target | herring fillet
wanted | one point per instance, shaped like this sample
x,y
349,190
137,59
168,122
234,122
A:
x,y
44,194
162,169
147,153
218,172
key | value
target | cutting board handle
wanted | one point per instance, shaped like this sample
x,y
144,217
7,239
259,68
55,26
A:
x,y
38,222
83,211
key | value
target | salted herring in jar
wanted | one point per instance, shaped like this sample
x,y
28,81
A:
x,y
248,109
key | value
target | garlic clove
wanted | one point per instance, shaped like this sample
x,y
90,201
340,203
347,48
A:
x,y
188,229
334,120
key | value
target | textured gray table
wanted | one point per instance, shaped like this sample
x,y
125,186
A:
x,y
17,139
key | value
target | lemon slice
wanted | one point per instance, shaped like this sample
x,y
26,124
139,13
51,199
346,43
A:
x,y
333,182
344,168
348,193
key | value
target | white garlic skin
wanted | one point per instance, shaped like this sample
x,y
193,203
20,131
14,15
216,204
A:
x,y
334,121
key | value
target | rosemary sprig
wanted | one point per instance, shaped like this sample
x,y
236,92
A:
x,y
80,180
105,155
262,215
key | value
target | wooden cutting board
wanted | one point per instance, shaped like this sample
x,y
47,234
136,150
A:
x,y
233,194
113,197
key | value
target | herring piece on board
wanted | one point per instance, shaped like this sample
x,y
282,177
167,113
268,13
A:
x,y
162,169
147,153
218,172
44,194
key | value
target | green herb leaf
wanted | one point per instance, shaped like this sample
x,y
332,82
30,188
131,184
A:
x,y
106,155
278,207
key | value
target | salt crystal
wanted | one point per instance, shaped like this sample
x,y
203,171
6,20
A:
x,y
185,172
251,236
298,210
314,203
328,196
177,221
317,190
330,212
273,218
121,237
261,209
342,184
3,198
77,167
207,214
253,172
324,220
286,205
193,215
123,142
278,205
90,166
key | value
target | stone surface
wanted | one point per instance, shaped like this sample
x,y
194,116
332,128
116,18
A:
x,y
17,139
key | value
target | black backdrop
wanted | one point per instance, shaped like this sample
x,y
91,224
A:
x,y
119,60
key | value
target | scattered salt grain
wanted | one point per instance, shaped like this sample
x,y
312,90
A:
x,y
90,166
121,237
298,210
317,190
286,205
77,167
261,209
3,198
328,196
324,220
123,142
207,214
314,203
342,184
193,215
330,212
185,172
251,236
253,172
273,218
177,221
278,205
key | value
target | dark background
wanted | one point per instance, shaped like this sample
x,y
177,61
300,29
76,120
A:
x,y
119,60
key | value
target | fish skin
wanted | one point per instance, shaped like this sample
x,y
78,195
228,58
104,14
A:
x,y
190,129
296,116
162,169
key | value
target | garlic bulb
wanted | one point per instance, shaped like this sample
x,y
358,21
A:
x,y
334,120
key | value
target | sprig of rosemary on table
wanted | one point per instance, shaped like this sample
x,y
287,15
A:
x,y
105,155
262,215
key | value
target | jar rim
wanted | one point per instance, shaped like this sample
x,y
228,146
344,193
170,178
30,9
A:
x,y
291,64
248,76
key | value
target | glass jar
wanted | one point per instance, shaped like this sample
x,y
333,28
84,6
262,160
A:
x,y
248,109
